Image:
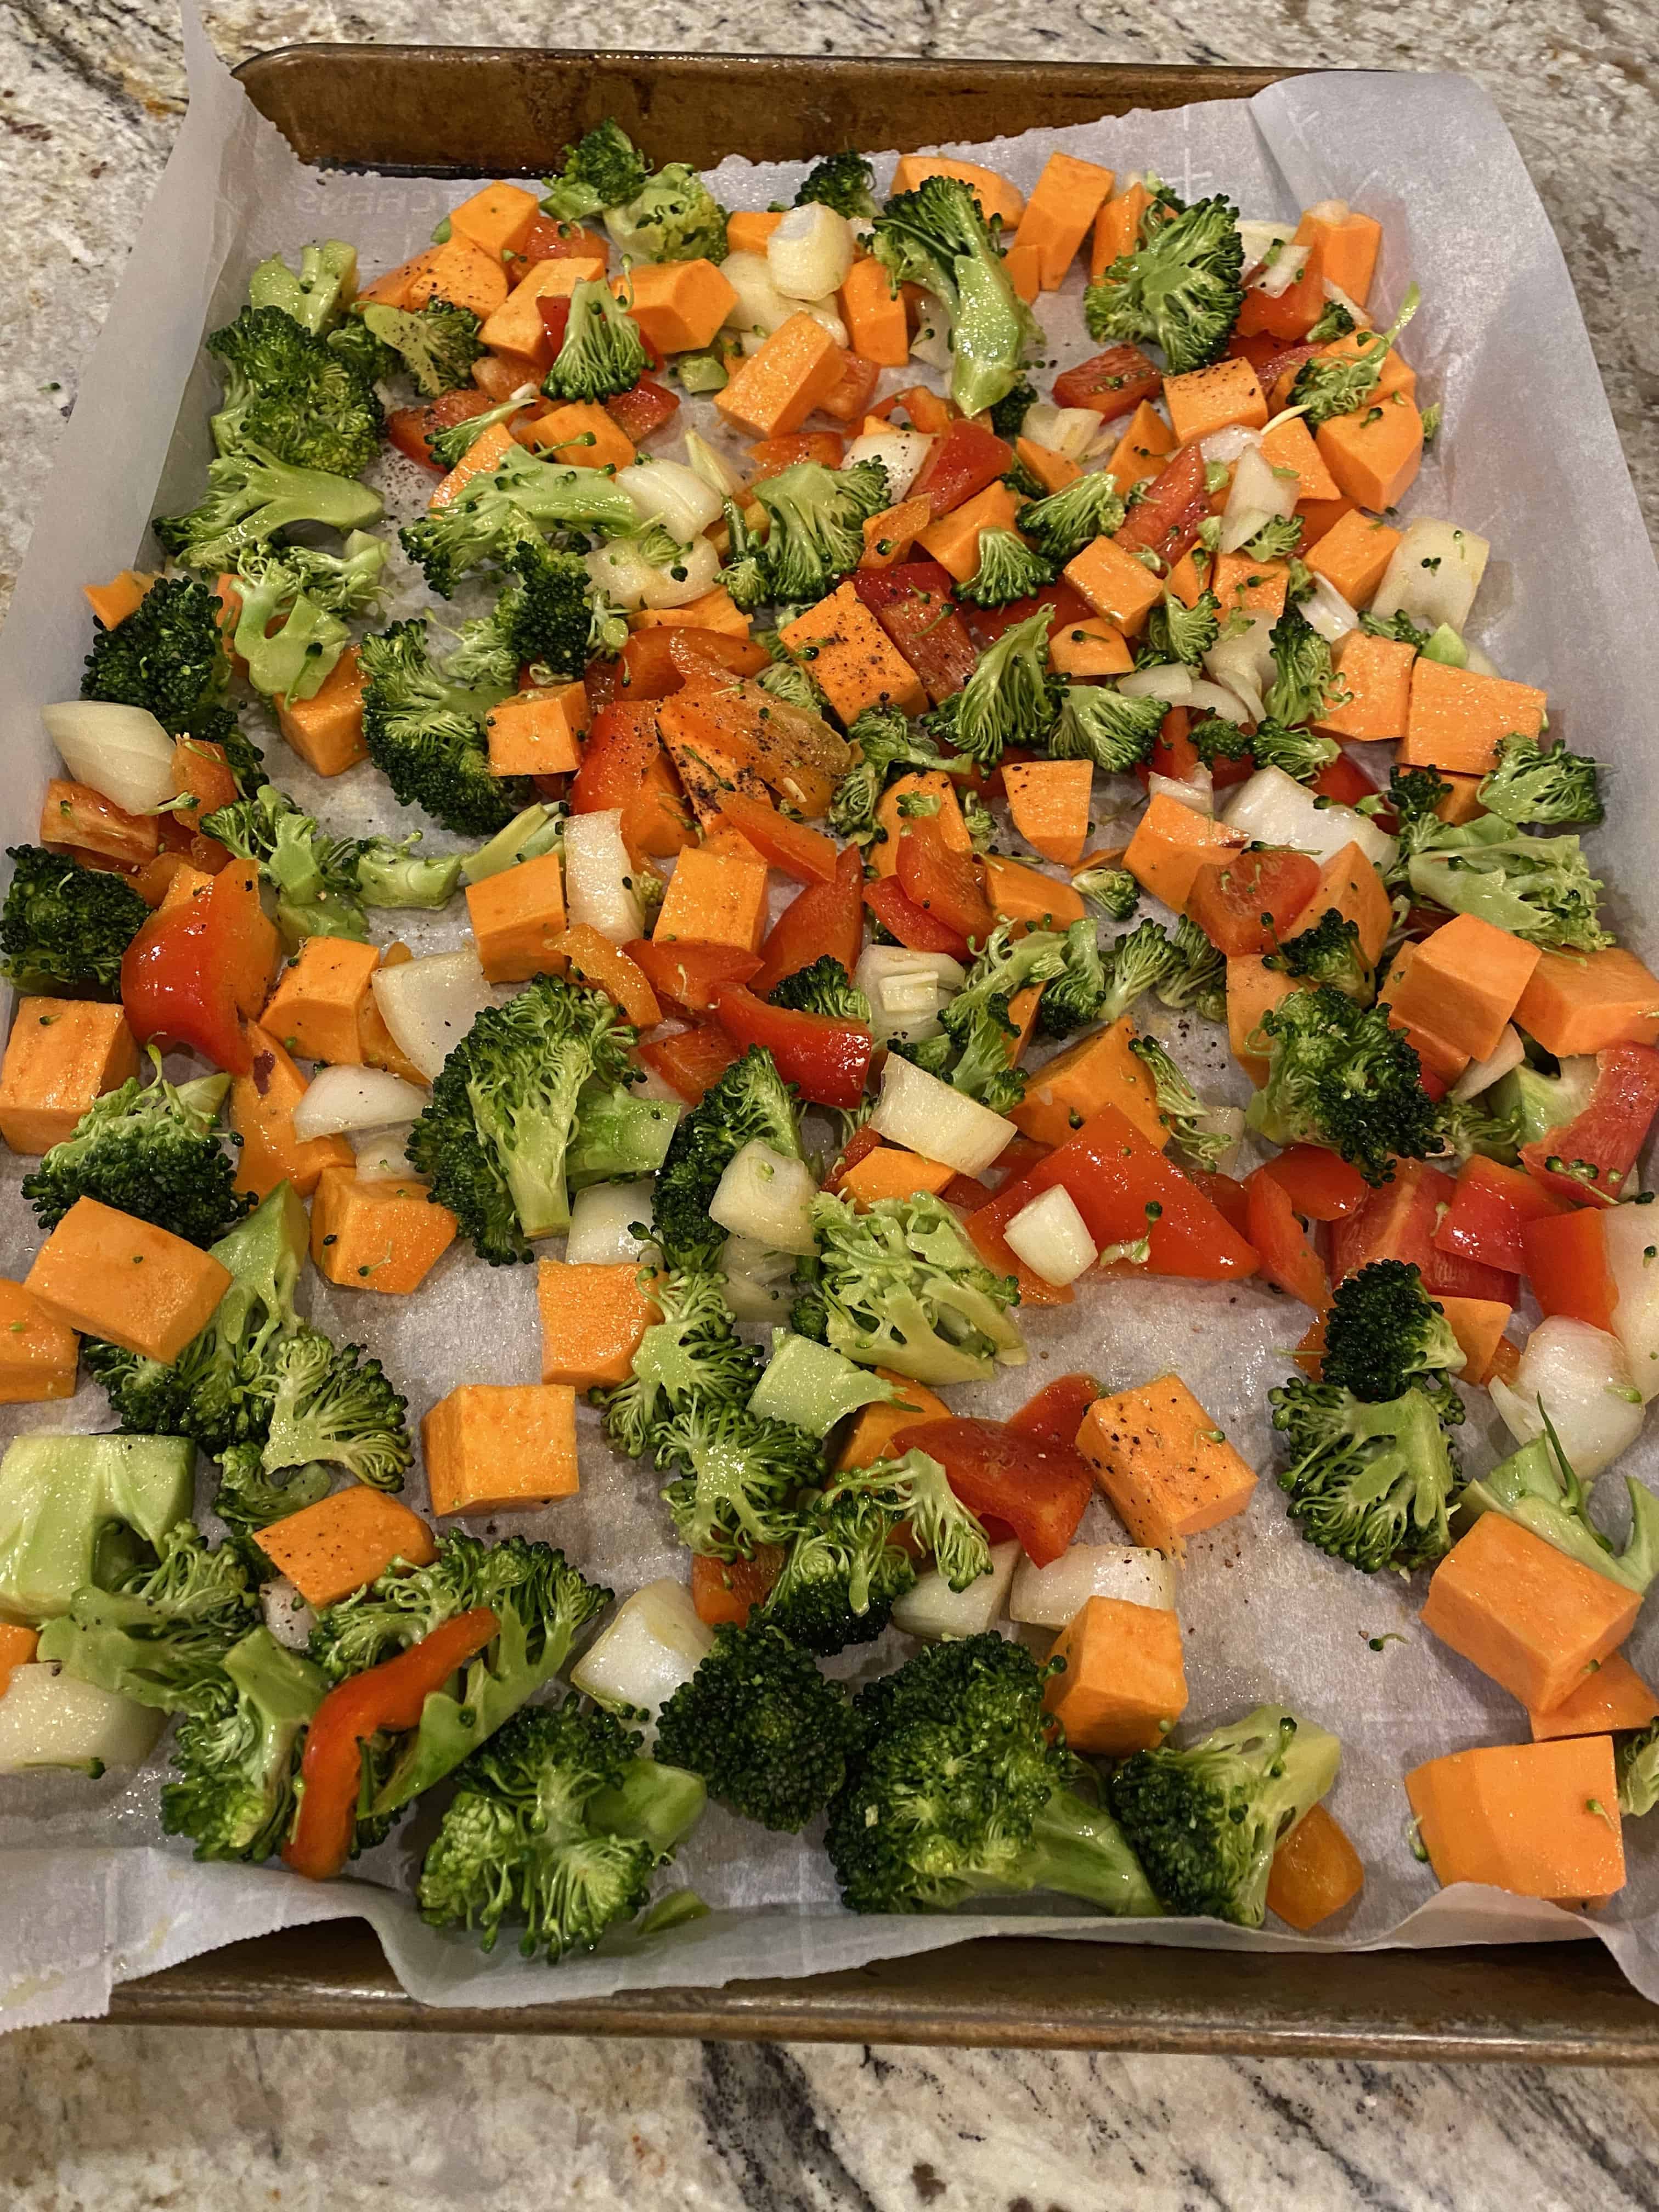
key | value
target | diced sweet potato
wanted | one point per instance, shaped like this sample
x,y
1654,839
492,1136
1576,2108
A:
x,y
1541,1820
262,1104
853,662
1585,1001
1524,1613
106,1273
385,1236
592,1320
1116,586
38,1353
714,898
1165,1468
1316,1872
1170,841
1612,1699
1464,983
313,1011
491,1448
516,914
62,1054
331,1548
1123,1685
1098,1070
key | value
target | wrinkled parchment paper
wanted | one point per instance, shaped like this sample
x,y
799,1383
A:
x,y
90,1895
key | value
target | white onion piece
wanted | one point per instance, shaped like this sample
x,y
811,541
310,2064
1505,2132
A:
x,y
760,1281
1508,1052
1257,494
1169,680
288,1616
1068,430
1631,1234
765,1195
671,493
1053,1596
1207,698
1053,1238
598,877
690,574
1226,444
1433,574
622,572
1272,808
603,1218
932,342
654,1643
705,461
932,1611
49,1718
922,1113
341,1099
1326,610
1581,1374
760,307
906,990
1243,663
820,312
1259,235
382,1155
900,452
1334,212
430,1005
1196,790
123,752
1287,265
810,252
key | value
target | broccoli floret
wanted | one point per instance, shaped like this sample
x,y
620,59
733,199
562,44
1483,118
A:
x,y
602,352
824,987
916,1491
1214,739
251,495
1099,723
335,1404
238,1757
1327,386
1305,682
291,395
761,1725
882,742
290,631
1199,1135
842,1576
1400,627
450,446
1328,953
1008,416
1370,1481
356,344
1636,1758
1335,323
1276,540
1197,975
1179,288
1383,1333
1061,524
902,1287
982,1067
496,510
937,237
1176,631
1008,569
437,343
816,536
248,1499
1294,752
1466,1127
601,171
159,1636
935,1055
786,678
544,617
749,1100
1136,964
693,1354
745,574
63,927
1339,1075
494,1142
1077,995
960,1788
1114,891
1537,888
1207,1818
846,183
167,656
1008,700
673,216
738,1473
558,1825
1535,783
323,884
1007,964
426,735
1415,793
149,1150
400,1607
1536,1488
315,297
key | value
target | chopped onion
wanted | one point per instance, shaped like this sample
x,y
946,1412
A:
x,y
825,315
1257,494
932,342
1215,699
1053,1596
1053,1238
1582,1376
1631,1236
1433,574
603,1219
925,1115
49,1718
1244,662
1226,445
341,1099
906,990
1480,1075
810,252
760,1280
1326,610
1258,235
622,572
1287,265
123,752
670,493
1272,808
383,1154
765,1195
933,1611
686,577
654,1643
598,877
712,467
1167,680
1068,430
430,1005
760,307
288,1616
900,452
1196,790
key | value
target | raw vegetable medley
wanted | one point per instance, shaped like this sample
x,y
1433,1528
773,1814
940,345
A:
x,y
907,636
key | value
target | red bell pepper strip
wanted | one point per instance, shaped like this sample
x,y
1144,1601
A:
x,y
1489,1211
410,428
1565,1257
912,925
1588,1160
1288,1260
683,973
966,459
1321,1185
1056,1412
1014,1480
1112,383
921,620
191,973
618,751
643,408
943,882
1245,901
827,1060
1398,1222
823,919
691,1061
795,848
1175,508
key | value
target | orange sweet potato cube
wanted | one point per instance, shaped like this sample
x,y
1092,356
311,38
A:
x,y
516,914
1017,893
678,305
62,1054
335,1546
1524,1613
1166,1470
497,217
1146,443
1119,588
1352,553
1098,1070
1170,844
463,273
1087,649
1478,1325
38,1354
593,1319
855,663
580,432
1123,1685
537,732
1202,400
1053,471
491,1448
1465,982
888,536
1350,886
1048,804
313,1011
1612,1699
1540,1819
1458,719
874,1427
774,391
1060,213
516,325
1376,453
262,1104
714,898
1290,445
1376,674
953,539
383,1236
1254,990
1585,1001
890,1171
326,730
106,1273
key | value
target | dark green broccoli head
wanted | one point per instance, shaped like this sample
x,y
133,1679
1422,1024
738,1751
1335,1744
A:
x,y
846,183
824,987
437,343
375,361
937,237
749,1100
885,745
426,736
1062,523
1179,288
248,1499
237,1758
1135,962
693,1354
290,394
1200,1140
673,216
601,171
1176,631
167,656
1328,953
1370,1484
159,1635
766,1731
1215,738
843,1574
1384,1332
1114,891
602,352
1340,1075
335,1404
1008,416
520,496
1331,385
149,1150
916,1491
1073,998
64,929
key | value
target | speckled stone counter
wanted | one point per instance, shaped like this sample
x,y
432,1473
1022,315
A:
x,y
134,2120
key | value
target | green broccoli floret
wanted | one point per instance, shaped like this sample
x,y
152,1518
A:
x,y
916,1491
1077,995
1179,288
1636,1758
982,1067
1537,783
545,618
315,298
673,216
336,1404
1339,1075
1370,1481
495,1142
846,183
692,1355
1007,964
882,742
1061,524
149,1150
1176,631
602,352
1415,793
290,631
749,1100
1466,1127
1207,1818
937,237
1537,888
404,1604
426,735
1328,953
738,1473
1114,891
1384,1334
816,536
437,343
902,1287
238,1756
761,1726
1325,387
64,929
451,445
1099,723
357,345
1335,323
1294,752
1137,962
1277,539
1399,626
1214,739
1008,569
1008,700
497,509
960,1788
248,1499
290,395
843,1574
1536,1488
601,171
1202,1139
159,1636
824,987
1305,682
251,495
1008,416
167,656
323,884
745,574
1197,975
786,678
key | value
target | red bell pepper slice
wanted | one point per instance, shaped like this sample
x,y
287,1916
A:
x,y
823,919
550,240
793,847
850,395
918,573
1112,383
1490,1209
192,973
1398,1221
943,882
1588,1160
987,624
646,668
643,408
1226,1194
555,312
1177,507
725,1591
827,1060
1565,1258
1056,1412
686,973
617,750
409,428
923,623
966,459
1245,901
201,770
913,926
1288,1260
691,1061
1321,1185
389,1695
1026,1484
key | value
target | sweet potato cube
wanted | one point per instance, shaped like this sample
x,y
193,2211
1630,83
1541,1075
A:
x,y
580,432
497,217
1017,893
774,391
516,325
1612,1699
1458,719
1166,1470
1376,673
953,540
18,1646
890,1171
106,1273
516,914
326,730
1478,1325
1349,885
1098,1070
1585,1001
1344,246
1352,553
262,1104
1145,445
314,1009
1524,1613
1376,453
1315,1871
592,1319
890,535
38,1354
1203,400
1086,650
1119,588
461,272
335,1546
491,1448
111,603
1123,1686
1169,844
378,1236
923,783
1061,212
538,732
487,452
1048,804
1540,1819
1246,586
855,663
874,1427
717,610
1290,444
392,287
1464,983
62,1054
714,899
1053,471
1254,990
678,305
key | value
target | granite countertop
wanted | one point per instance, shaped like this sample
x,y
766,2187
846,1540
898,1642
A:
x,y
130,2119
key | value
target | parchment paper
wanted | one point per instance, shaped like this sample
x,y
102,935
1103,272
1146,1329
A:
x,y
91,1895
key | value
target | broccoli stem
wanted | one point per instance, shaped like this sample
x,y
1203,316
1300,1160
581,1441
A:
x,y
1079,1849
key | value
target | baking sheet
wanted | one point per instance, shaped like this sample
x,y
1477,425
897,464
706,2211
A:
x,y
1528,456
